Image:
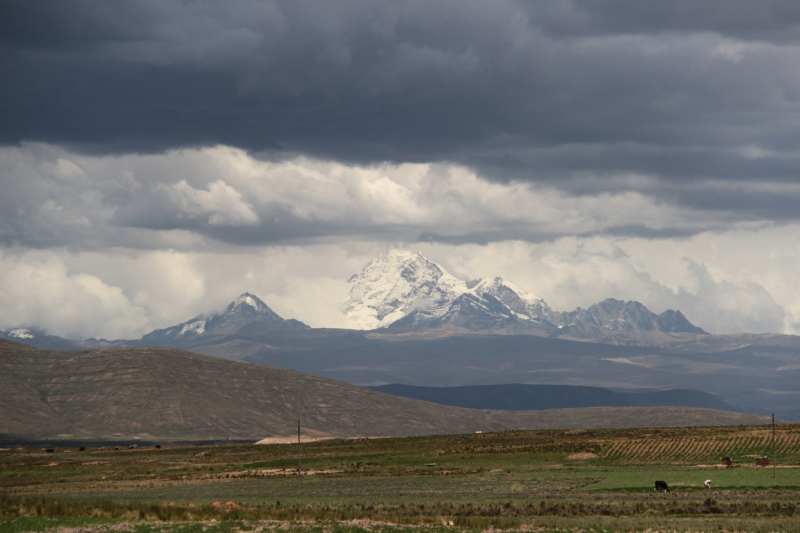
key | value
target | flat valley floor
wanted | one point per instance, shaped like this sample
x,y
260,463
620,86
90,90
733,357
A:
x,y
598,480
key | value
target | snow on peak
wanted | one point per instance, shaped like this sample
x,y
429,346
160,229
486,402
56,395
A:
x,y
249,299
21,333
392,286
525,305
195,328
498,285
403,283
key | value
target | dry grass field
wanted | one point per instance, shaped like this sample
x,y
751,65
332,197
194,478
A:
x,y
584,480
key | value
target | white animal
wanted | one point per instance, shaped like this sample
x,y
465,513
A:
x,y
707,484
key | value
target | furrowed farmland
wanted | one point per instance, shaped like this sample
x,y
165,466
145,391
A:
x,y
740,448
578,480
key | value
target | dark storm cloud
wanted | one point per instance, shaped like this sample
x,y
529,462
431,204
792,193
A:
x,y
486,237
642,231
532,236
569,93
279,225
774,21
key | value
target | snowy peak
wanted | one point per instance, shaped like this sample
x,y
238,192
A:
x,y
467,311
249,300
406,289
246,314
19,333
394,285
527,306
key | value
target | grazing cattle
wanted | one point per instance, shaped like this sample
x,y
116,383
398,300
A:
x,y
82,449
727,461
762,461
158,446
707,484
49,450
661,486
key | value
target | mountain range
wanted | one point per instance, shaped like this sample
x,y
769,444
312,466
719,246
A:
x,y
417,325
406,290
245,313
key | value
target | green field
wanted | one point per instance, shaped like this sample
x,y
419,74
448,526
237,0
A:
x,y
510,480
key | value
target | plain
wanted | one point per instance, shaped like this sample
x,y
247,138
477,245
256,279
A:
x,y
555,480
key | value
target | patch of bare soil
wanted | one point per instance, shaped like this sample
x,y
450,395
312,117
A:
x,y
227,506
584,455
293,440
96,528
255,527
265,472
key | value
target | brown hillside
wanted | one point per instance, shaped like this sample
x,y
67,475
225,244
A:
x,y
169,393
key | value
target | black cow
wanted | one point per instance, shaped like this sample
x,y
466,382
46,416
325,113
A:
x,y
661,486
82,449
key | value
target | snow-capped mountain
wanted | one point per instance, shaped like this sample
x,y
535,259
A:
x,y
395,286
406,289
246,314
20,333
526,306
40,339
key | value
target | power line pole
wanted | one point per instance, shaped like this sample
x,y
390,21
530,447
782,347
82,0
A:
x,y
773,445
299,470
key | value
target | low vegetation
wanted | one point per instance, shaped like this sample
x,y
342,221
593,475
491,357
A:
x,y
553,480
164,394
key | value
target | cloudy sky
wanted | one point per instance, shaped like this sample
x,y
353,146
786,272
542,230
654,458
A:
x,y
160,157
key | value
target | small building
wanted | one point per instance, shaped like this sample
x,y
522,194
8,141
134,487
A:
x,y
726,461
762,461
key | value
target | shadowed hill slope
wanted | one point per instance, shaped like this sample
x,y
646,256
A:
x,y
525,397
171,394
754,373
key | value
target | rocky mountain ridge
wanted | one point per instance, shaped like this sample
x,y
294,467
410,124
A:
x,y
246,313
406,290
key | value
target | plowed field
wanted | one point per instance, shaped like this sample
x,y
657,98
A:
x,y
743,449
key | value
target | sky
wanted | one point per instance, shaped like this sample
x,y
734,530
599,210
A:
x,y
160,157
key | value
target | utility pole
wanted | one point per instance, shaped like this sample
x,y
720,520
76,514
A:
x,y
299,470
773,445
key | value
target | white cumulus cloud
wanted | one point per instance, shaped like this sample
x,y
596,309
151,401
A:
x,y
221,203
